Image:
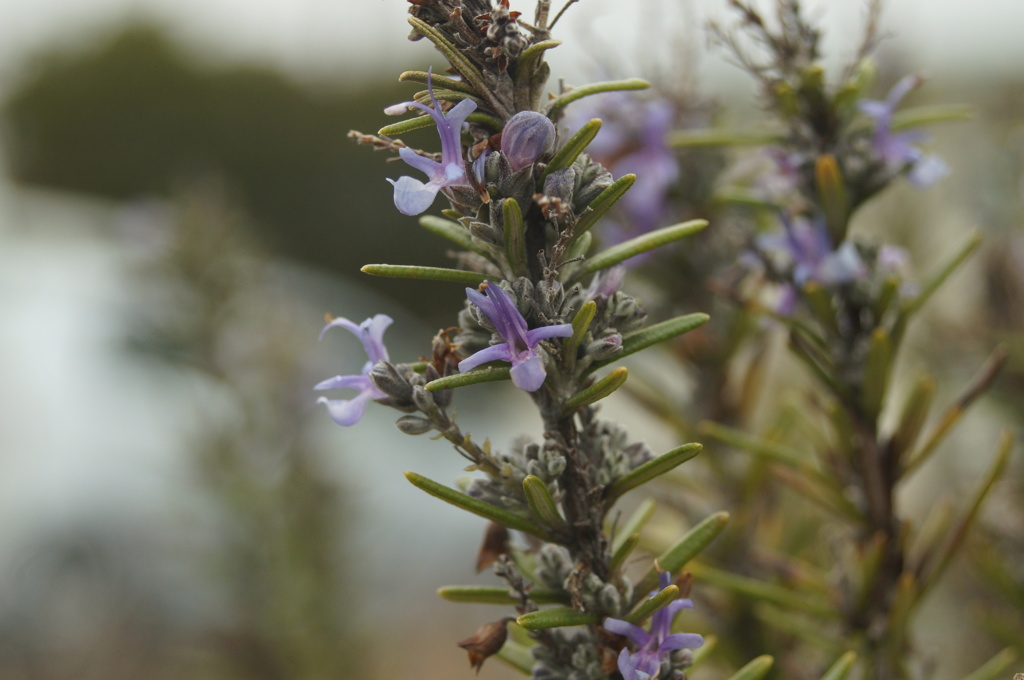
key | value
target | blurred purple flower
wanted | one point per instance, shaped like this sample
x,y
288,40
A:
x,y
806,244
632,140
654,646
347,412
411,195
519,346
899,150
527,136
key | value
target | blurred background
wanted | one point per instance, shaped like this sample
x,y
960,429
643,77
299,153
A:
x,y
180,207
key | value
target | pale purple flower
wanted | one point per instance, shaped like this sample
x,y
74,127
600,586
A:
x,y
807,246
527,136
371,333
413,196
899,150
656,645
519,345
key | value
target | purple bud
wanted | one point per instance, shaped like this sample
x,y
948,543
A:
x,y
527,136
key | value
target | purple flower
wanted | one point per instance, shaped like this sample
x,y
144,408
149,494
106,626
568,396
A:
x,y
527,136
654,646
413,196
806,244
347,412
898,150
519,346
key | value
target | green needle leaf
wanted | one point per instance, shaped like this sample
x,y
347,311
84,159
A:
x,y
555,107
514,236
688,547
653,604
438,81
923,115
580,324
876,373
601,205
517,656
936,281
651,469
499,595
996,667
481,375
458,61
768,592
401,271
625,547
634,524
407,125
573,147
636,246
699,139
652,335
841,668
454,232
555,618
598,391
540,501
755,670
477,506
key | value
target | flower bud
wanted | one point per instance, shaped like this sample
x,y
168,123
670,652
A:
x,y
527,136
414,425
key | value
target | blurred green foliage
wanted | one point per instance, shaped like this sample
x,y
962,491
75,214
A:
x,y
135,114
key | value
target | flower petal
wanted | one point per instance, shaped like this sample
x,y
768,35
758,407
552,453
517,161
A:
x,y
529,375
412,196
346,412
373,337
632,631
492,353
344,382
561,330
430,167
680,641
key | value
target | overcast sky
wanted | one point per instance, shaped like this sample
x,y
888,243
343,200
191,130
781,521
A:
x,y
322,36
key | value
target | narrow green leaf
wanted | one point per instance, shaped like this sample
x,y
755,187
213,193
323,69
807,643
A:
x,y
555,618
625,547
602,204
652,335
598,391
455,57
995,668
581,246
820,302
438,81
831,189
956,537
715,138
923,115
481,375
841,668
580,324
688,547
534,52
555,107
634,524
651,469
636,246
915,412
652,604
745,199
514,236
768,592
573,147
755,670
517,656
876,373
406,125
423,97
499,595
531,74
540,501
477,506
933,284
401,271
454,232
